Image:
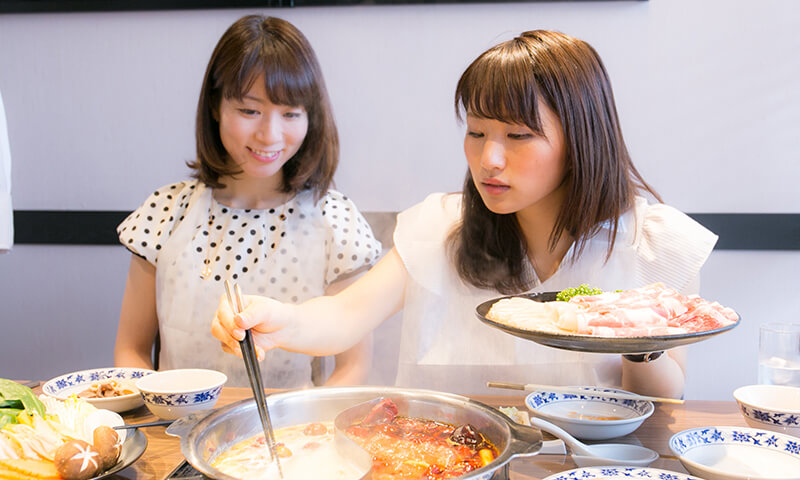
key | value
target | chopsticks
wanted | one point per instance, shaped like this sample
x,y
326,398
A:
x,y
253,372
141,425
580,391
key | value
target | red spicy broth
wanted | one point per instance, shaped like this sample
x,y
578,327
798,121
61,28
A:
x,y
408,448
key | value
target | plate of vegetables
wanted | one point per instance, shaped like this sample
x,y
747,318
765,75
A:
x,y
652,318
44,437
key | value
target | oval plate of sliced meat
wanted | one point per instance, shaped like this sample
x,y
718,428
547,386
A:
x,y
642,320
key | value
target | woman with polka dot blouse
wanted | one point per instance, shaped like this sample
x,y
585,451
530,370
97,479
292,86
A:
x,y
259,212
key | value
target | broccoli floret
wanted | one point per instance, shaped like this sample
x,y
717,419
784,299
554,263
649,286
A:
x,y
583,289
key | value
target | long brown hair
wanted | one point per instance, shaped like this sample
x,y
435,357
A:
x,y
252,46
506,83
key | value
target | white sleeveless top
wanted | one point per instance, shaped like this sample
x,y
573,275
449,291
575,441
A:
x,y
445,347
290,253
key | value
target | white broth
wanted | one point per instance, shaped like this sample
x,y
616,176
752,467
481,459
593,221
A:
x,y
306,452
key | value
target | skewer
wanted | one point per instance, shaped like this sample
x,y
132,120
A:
x,y
142,425
254,373
579,391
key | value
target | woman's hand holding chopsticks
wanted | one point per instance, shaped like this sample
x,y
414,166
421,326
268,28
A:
x,y
229,327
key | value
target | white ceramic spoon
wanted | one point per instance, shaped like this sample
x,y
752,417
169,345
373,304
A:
x,y
599,454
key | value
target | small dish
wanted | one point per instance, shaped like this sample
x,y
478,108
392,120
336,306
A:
x,y
591,416
619,473
771,407
172,394
737,453
64,386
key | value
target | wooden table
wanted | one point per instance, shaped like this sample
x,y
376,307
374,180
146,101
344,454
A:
x,y
163,451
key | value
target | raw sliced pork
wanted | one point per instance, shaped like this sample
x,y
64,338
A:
x,y
653,310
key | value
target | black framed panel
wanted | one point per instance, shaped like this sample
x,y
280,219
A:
x,y
41,6
737,231
753,231
67,227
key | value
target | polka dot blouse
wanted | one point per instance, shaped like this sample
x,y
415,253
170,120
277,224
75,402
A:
x,y
327,239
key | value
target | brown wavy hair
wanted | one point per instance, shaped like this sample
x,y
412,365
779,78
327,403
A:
x,y
506,83
252,46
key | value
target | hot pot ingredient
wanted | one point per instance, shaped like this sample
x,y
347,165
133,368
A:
x,y
106,442
107,389
306,451
15,399
48,438
27,469
416,448
652,310
582,289
77,460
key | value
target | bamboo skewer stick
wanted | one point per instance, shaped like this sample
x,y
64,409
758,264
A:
x,y
579,391
142,425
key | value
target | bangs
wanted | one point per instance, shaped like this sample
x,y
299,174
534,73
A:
x,y
500,85
287,80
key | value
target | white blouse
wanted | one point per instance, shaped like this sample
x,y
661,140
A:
x,y
290,253
445,347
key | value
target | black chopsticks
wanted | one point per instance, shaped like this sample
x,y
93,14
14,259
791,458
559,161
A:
x,y
253,372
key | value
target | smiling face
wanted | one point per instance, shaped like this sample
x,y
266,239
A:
x,y
513,167
259,136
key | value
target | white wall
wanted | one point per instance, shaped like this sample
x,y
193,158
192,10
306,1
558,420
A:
x,y
100,112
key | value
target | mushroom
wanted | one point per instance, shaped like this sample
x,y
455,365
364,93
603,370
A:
x,y
77,460
107,443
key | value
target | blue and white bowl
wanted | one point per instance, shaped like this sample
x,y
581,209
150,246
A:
x,y
619,473
64,386
172,394
737,453
591,416
771,407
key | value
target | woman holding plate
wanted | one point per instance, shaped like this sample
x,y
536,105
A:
x,y
551,200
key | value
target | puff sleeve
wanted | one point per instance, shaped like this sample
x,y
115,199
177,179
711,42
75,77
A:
x,y
420,237
351,243
671,247
145,231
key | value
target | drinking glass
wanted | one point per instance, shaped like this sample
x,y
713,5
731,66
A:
x,y
779,354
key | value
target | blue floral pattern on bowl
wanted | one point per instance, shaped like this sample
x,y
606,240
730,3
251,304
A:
x,y
540,398
684,441
613,473
772,418
181,399
63,386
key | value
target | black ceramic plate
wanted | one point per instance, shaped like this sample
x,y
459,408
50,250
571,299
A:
x,y
132,449
592,343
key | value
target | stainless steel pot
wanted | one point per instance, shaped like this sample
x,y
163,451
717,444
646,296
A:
x,y
202,439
